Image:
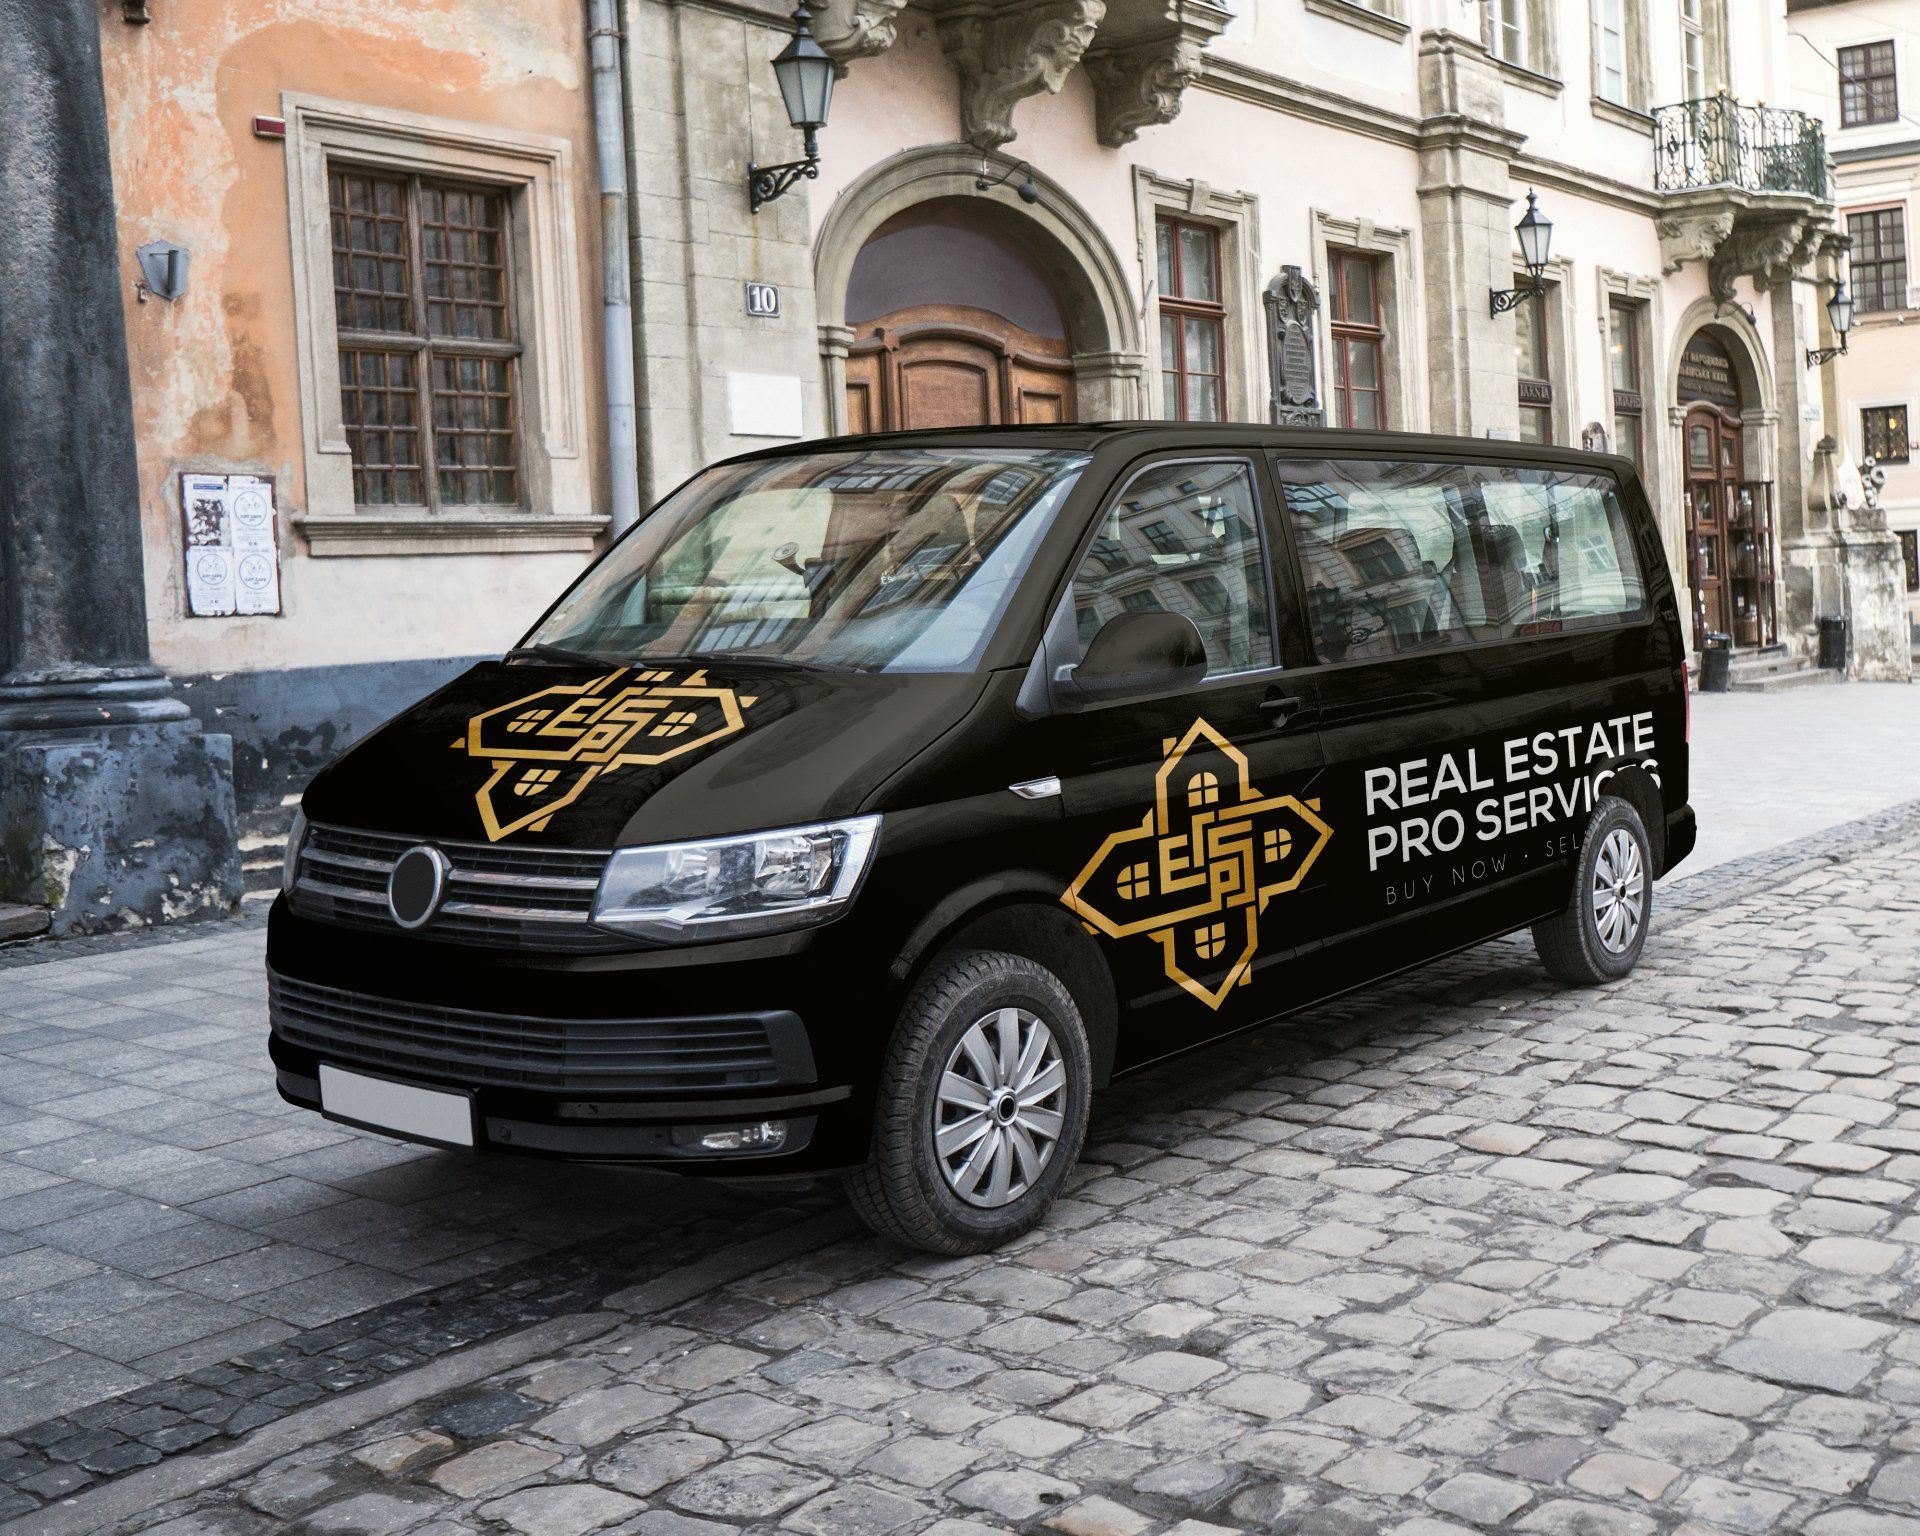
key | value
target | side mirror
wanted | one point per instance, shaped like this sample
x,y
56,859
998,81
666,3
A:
x,y
1136,654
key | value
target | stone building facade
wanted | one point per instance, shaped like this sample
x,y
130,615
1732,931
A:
x,y
1857,67
399,240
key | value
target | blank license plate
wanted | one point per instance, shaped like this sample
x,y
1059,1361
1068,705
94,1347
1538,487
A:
x,y
386,1106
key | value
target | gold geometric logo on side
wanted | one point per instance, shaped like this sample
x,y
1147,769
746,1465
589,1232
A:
x,y
1196,874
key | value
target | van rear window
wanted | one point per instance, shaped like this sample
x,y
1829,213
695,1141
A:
x,y
1400,556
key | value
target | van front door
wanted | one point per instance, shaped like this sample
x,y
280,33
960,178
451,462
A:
x,y
1484,663
1192,819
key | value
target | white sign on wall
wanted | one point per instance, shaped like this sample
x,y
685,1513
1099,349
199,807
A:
x,y
764,405
232,551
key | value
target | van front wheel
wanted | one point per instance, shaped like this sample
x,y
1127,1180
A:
x,y
982,1106
1600,935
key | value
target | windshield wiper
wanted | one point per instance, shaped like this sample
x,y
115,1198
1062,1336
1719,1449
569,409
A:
x,y
547,652
652,659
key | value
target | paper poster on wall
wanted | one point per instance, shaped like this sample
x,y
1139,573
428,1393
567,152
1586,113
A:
x,y
231,544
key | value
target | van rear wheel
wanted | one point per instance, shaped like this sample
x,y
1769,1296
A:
x,y
982,1106
1600,935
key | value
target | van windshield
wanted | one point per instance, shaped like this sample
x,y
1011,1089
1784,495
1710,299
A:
x,y
891,559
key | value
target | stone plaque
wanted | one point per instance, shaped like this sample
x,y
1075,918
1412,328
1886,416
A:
x,y
1291,302
1706,373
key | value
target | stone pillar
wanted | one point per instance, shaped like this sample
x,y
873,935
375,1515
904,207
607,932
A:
x,y
1466,214
115,807
1843,558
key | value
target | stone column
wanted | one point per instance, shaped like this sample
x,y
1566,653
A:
x,y
116,807
1466,214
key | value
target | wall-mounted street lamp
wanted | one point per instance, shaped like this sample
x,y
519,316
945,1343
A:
x,y
805,73
1536,245
1029,193
1840,316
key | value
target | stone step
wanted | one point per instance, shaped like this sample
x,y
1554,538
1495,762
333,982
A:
x,y
1765,664
1779,682
18,922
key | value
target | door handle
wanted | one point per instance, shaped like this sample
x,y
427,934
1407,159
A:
x,y
1282,706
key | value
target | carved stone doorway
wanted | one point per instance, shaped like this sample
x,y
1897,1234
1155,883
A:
x,y
953,325
1729,517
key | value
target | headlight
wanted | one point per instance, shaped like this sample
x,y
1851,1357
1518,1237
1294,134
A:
x,y
296,839
761,883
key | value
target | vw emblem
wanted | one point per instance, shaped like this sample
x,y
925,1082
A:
x,y
418,881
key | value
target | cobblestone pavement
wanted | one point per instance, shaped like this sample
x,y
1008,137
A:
x,y
1467,1254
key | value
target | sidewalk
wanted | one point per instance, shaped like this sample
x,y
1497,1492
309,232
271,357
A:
x,y
1769,768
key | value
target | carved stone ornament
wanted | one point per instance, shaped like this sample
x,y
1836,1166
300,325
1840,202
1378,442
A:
x,y
1005,52
1769,249
1291,302
1140,86
1691,236
1593,438
856,29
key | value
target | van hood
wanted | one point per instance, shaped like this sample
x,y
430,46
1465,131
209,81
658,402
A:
x,y
588,756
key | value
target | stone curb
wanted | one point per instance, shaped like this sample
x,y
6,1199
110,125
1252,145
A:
x,y
180,1476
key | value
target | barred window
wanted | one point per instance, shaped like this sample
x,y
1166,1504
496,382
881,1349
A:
x,y
1868,90
429,357
1883,434
1879,260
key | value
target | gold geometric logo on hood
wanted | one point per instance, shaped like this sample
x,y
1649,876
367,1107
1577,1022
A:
x,y
1198,871
546,748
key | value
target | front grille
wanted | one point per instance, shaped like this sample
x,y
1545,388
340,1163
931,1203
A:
x,y
503,898
503,1050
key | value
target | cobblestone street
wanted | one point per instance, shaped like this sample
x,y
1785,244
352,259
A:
x,y
1465,1253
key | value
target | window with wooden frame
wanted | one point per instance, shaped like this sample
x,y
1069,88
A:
x,y
429,356
1693,50
1623,362
1610,51
1884,434
1531,365
1359,336
1869,92
1510,31
1193,317
1879,258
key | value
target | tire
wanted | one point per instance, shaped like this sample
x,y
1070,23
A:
x,y
1600,935
999,1174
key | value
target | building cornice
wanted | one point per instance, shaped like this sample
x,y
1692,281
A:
x,y
1260,88
1579,182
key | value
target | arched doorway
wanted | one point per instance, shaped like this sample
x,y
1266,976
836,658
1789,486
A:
x,y
953,325
1104,360
1729,516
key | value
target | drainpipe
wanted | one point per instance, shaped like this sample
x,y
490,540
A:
x,y
610,145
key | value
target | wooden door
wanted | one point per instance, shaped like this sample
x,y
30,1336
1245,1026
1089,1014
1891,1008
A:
x,y
1714,461
948,365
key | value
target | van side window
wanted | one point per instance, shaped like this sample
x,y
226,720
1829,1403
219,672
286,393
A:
x,y
1401,557
1561,552
1386,554
1184,538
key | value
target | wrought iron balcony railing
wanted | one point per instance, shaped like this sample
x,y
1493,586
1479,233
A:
x,y
1720,142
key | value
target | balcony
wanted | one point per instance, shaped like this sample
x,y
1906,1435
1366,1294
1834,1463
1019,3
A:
x,y
1744,188
1720,142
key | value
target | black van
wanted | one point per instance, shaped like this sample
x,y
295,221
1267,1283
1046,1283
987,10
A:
x,y
875,800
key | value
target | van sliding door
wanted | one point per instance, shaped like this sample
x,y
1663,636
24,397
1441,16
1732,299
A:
x,y
1481,652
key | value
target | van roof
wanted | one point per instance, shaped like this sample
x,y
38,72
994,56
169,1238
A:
x,y
1176,434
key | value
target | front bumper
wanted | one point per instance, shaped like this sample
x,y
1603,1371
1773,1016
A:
x,y
611,1057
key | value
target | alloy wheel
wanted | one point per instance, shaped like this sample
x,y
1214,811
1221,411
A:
x,y
1619,891
1000,1108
